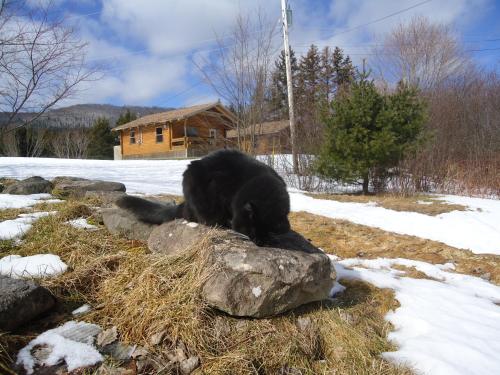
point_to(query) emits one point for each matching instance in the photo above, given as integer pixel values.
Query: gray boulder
(32, 185)
(76, 187)
(173, 237)
(107, 198)
(122, 222)
(21, 301)
(246, 280)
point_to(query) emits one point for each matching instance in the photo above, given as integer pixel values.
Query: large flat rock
(124, 223)
(32, 185)
(20, 301)
(77, 187)
(247, 280)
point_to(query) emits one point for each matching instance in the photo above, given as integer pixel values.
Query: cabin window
(213, 133)
(191, 131)
(132, 136)
(159, 135)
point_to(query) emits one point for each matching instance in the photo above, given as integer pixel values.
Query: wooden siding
(145, 141)
(145, 137)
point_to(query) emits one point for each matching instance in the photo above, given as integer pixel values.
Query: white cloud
(148, 44)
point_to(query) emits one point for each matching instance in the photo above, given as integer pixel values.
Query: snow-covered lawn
(450, 325)
(477, 229)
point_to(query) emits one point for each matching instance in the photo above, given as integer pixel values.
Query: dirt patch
(349, 240)
(423, 204)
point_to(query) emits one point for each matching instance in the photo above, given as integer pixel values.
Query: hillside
(84, 114)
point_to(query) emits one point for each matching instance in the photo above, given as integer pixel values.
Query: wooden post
(289, 86)
(185, 135)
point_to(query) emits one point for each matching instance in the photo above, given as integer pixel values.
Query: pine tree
(126, 117)
(344, 71)
(279, 90)
(367, 133)
(101, 140)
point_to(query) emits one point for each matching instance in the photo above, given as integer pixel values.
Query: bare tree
(421, 53)
(41, 61)
(239, 72)
(70, 143)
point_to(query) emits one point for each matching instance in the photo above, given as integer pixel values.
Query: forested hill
(84, 115)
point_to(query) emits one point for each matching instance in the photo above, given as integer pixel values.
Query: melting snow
(81, 310)
(81, 223)
(71, 343)
(23, 201)
(450, 325)
(11, 229)
(35, 266)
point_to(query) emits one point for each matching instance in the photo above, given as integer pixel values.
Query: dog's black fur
(226, 188)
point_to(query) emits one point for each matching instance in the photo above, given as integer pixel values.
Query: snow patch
(450, 325)
(257, 291)
(64, 346)
(15, 228)
(81, 310)
(192, 224)
(81, 223)
(35, 266)
(23, 201)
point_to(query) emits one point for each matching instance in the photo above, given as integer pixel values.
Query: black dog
(226, 188)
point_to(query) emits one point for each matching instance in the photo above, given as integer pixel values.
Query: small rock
(360, 254)
(486, 276)
(32, 185)
(139, 352)
(119, 351)
(157, 338)
(20, 301)
(189, 365)
(107, 336)
(110, 370)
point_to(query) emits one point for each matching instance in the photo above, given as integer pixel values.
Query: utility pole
(293, 135)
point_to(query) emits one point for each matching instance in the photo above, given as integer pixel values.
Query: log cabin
(271, 137)
(179, 133)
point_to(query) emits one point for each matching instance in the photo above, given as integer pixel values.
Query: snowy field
(477, 229)
(447, 324)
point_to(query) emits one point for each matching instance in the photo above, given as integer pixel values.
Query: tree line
(77, 142)
(419, 115)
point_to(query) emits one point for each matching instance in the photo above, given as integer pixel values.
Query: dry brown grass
(143, 294)
(398, 202)
(10, 213)
(349, 240)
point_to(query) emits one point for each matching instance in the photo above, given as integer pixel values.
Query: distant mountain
(84, 115)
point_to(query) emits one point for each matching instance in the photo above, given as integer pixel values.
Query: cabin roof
(270, 127)
(176, 115)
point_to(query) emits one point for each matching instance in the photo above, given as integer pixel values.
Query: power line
(376, 20)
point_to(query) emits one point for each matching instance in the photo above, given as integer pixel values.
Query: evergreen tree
(279, 90)
(344, 71)
(367, 133)
(126, 117)
(101, 140)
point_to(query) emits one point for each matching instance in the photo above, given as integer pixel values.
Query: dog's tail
(148, 211)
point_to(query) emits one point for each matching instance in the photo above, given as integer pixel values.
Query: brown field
(398, 202)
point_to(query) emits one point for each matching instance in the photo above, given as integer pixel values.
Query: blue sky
(147, 47)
